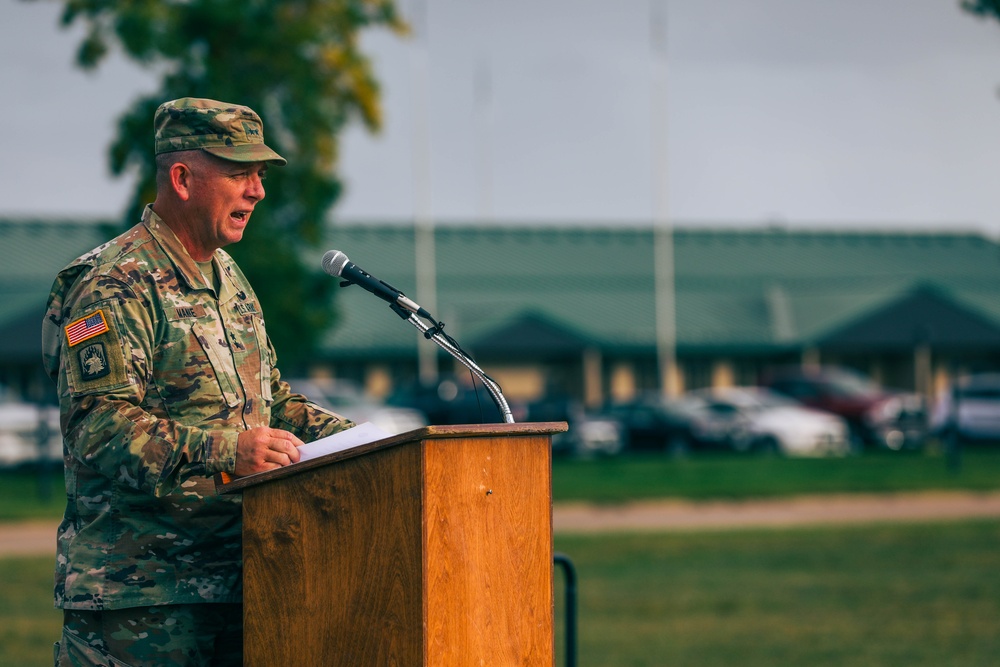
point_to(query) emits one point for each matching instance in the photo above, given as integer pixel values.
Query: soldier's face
(223, 195)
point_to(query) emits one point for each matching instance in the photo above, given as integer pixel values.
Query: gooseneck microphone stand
(448, 344)
(336, 263)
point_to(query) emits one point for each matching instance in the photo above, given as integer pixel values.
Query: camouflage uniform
(157, 375)
(230, 131)
(189, 635)
(153, 398)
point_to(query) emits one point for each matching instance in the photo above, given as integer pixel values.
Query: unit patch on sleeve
(95, 354)
(86, 328)
(93, 361)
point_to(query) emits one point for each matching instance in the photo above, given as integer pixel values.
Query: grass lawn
(28, 623)
(34, 495)
(730, 476)
(907, 595)
(912, 595)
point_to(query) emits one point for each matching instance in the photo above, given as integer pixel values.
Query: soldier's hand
(264, 448)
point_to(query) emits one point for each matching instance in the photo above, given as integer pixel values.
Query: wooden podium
(430, 548)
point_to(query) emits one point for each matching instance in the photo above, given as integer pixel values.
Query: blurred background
(748, 248)
(608, 205)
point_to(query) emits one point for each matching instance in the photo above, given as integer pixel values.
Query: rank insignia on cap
(86, 328)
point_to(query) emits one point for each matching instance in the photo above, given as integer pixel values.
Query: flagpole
(663, 235)
(423, 228)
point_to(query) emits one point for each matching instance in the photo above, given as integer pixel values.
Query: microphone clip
(434, 330)
(396, 308)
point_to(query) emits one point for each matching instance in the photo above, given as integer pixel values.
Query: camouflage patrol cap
(230, 131)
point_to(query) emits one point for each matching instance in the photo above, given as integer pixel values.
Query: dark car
(674, 426)
(451, 401)
(590, 433)
(877, 417)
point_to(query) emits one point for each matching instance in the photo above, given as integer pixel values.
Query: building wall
(601, 378)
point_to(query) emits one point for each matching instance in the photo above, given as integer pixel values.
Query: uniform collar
(188, 270)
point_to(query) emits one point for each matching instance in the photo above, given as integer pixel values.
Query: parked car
(590, 434)
(674, 426)
(29, 433)
(348, 400)
(764, 421)
(716, 423)
(970, 409)
(652, 424)
(877, 417)
(452, 401)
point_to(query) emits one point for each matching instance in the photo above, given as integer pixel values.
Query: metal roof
(741, 289)
(31, 253)
(756, 288)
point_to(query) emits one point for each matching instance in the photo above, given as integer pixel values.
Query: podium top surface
(225, 483)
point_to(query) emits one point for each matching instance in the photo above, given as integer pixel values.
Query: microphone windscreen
(334, 262)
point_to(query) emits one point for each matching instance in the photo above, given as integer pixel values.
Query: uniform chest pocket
(265, 359)
(220, 359)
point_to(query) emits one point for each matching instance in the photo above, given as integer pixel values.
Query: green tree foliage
(982, 7)
(298, 64)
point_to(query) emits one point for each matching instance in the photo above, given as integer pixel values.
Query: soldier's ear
(180, 180)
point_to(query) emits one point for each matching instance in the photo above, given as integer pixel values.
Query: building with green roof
(31, 253)
(574, 308)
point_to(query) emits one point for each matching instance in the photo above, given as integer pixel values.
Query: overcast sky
(882, 114)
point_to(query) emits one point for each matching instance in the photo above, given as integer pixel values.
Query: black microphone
(336, 264)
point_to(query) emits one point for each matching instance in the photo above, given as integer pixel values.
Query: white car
(971, 407)
(767, 421)
(589, 436)
(22, 427)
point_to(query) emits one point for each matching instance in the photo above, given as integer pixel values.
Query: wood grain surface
(433, 550)
(488, 546)
(332, 570)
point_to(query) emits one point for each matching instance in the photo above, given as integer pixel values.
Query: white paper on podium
(361, 434)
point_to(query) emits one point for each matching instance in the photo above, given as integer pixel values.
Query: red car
(877, 417)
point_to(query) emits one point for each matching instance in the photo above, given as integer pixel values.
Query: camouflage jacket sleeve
(290, 411)
(158, 370)
(295, 413)
(115, 420)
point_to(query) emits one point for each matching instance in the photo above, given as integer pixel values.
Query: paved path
(678, 515)
(28, 538)
(38, 537)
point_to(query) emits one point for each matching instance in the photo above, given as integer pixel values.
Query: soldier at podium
(166, 377)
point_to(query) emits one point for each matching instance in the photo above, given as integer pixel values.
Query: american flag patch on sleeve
(85, 328)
